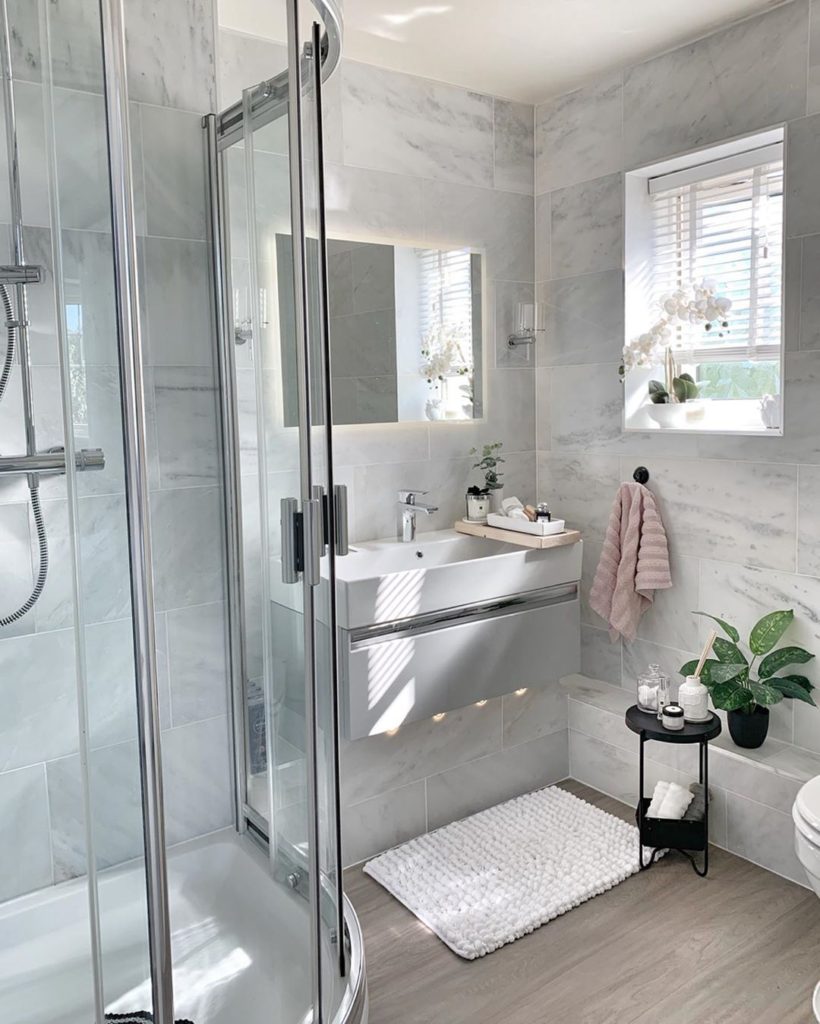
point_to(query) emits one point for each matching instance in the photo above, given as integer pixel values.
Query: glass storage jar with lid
(653, 691)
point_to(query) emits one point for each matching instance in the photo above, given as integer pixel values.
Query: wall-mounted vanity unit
(448, 621)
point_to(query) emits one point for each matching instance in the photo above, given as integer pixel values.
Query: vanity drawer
(423, 668)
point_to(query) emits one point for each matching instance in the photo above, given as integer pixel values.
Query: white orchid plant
(695, 304)
(443, 355)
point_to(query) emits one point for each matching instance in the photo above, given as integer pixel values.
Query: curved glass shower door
(275, 370)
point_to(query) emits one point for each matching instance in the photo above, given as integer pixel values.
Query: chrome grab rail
(52, 461)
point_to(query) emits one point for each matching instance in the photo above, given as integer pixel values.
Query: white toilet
(806, 815)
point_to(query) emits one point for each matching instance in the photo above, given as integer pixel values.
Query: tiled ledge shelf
(752, 790)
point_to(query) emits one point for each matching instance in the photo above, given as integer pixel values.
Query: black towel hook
(641, 475)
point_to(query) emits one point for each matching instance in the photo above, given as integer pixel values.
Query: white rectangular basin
(387, 581)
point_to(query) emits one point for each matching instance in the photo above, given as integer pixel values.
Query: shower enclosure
(169, 783)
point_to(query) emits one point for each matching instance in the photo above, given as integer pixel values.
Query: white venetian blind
(445, 293)
(724, 220)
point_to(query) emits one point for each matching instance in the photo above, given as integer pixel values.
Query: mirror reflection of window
(406, 339)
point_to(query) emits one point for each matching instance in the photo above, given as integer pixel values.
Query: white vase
(667, 414)
(496, 497)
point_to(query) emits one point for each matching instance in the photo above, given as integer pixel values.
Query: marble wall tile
(580, 489)
(116, 810)
(715, 519)
(364, 342)
(16, 568)
(186, 408)
(814, 59)
(188, 546)
(180, 328)
(600, 657)
(802, 190)
(82, 160)
(742, 594)
(110, 689)
(640, 654)
(373, 204)
(479, 784)
(74, 38)
(543, 408)
(500, 223)
(764, 836)
(543, 237)
(792, 294)
(382, 822)
(167, 68)
(196, 771)
(25, 854)
(578, 136)
(401, 442)
(807, 279)
(379, 763)
(198, 663)
(670, 621)
(739, 776)
(613, 769)
(401, 123)
(97, 416)
(513, 139)
(508, 295)
(174, 173)
(585, 319)
(540, 711)
(586, 226)
(103, 557)
(808, 520)
(587, 407)
(713, 89)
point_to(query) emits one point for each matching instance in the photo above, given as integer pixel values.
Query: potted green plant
(489, 464)
(746, 688)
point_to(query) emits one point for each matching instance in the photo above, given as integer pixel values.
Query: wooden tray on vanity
(523, 540)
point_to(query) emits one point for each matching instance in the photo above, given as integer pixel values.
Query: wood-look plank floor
(664, 947)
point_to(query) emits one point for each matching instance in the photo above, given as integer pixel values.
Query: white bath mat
(500, 874)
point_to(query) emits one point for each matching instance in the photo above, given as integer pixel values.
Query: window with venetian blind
(719, 220)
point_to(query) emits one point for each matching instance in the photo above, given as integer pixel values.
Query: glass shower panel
(71, 653)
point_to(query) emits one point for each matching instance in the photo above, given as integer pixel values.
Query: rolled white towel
(508, 504)
(669, 801)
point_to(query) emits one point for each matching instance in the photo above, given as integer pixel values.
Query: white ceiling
(522, 49)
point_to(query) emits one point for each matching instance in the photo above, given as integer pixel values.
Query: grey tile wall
(741, 513)
(40, 792)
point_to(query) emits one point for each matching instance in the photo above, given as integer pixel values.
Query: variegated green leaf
(789, 688)
(722, 673)
(728, 652)
(769, 630)
(730, 696)
(765, 694)
(706, 673)
(800, 680)
(782, 657)
(730, 631)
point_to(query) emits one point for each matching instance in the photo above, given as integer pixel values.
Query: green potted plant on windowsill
(746, 688)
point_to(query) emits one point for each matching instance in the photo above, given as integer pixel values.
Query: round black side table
(681, 835)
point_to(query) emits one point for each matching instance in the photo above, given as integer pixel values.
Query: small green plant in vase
(746, 687)
(489, 463)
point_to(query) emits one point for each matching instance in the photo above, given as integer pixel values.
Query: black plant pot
(749, 730)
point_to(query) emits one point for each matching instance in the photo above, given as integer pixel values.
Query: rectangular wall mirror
(703, 349)
(406, 332)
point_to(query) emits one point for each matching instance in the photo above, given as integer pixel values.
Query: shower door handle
(340, 520)
(312, 540)
(292, 545)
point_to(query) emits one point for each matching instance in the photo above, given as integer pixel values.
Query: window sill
(704, 416)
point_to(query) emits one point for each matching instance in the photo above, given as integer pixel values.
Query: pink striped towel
(634, 562)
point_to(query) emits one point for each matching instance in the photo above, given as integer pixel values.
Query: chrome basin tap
(408, 507)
